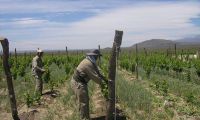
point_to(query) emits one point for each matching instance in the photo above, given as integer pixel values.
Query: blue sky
(81, 24)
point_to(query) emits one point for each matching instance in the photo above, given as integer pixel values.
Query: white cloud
(48, 6)
(168, 20)
(29, 21)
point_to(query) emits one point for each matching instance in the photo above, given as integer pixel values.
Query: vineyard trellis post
(99, 63)
(169, 52)
(182, 54)
(16, 56)
(111, 75)
(188, 54)
(11, 92)
(175, 50)
(25, 55)
(145, 51)
(136, 66)
(66, 51)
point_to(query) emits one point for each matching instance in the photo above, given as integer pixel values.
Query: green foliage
(162, 86)
(29, 100)
(197, 66)
(21, 70)
(148, 64)
(133, 95)
(177, 65)
(46, 76)
(104, 89)
(190, 98)
(68, 68)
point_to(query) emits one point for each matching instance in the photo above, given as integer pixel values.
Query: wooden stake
(111, 75)
(15, 56)
(175, 51)
(136, 67)
(5, 45)
(182, 54)
(66, 51)
(99, 63)
(145, 51)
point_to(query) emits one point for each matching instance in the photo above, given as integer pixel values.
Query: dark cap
(94, 52)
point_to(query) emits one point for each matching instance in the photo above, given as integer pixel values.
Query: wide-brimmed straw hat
(39, 51)
(94, 52)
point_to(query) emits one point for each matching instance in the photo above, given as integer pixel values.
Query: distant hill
(155, 44)
(164, 44)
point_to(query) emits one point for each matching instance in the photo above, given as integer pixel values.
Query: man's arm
(36, 67)
(92, 74)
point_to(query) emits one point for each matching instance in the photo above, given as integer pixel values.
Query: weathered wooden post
(170, 52)
(77, 53)
(182, 54)
(66, 51)
(145, 51)
(188, 55)
(111, 75)
(175, 50)
(5, 45)
(16, 57)
(99, 63)
(136, 66)
(25, 55)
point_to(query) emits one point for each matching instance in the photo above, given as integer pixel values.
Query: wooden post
(66, 51)
(136, 66)
(175, 51)
(5, 45)
(111, 75)
(145, 51)
(77, 53)
(182, 54)
(188, 55)
(99, 63)
(16, 57)
(52, 54)
(25, 55)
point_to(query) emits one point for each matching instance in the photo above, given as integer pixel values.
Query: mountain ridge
(164, 44)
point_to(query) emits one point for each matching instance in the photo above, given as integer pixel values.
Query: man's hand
(43, 70)
(110, 81)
